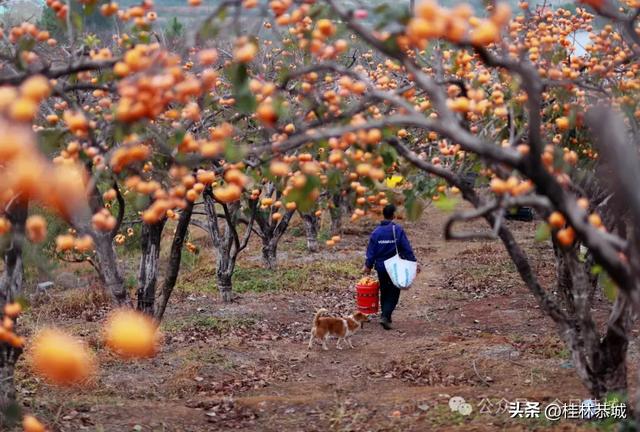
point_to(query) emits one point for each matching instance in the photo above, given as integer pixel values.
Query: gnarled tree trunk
(13, 274)
(223, 279)
(269, 253)
(226, 241)
(8, 357)
(337, 212)
(599, 362)
(175, 258)
(110, 272)
(563, 280)
(149, 265)
(606, 368)
(11, 282)
(271, 231)
(311, 222)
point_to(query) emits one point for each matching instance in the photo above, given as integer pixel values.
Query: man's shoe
(384, 322)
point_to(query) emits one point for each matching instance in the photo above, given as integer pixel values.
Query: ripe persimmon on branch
(55, 72)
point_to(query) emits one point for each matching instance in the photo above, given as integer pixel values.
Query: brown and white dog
(342, 328)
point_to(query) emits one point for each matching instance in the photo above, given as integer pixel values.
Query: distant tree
(20, 11)
(51, 23)
(174, 29)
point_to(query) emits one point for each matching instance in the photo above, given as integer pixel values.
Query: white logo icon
(458, 404)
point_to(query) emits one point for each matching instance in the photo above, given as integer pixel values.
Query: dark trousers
(389, 294)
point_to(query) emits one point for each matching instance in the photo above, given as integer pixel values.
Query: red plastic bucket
(367, 298)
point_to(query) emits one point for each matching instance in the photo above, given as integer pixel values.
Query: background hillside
(16, 11)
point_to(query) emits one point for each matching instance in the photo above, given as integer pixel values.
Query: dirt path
(368, 381)
(443, 344)
(466, 328)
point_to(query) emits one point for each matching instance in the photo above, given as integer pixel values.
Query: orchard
(209, 186)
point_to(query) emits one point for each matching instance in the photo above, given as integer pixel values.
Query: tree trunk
(149, 264)
(310, 222)
(564, 282)
(10, 288)
(271, 232)
(13, 274)
(602, 370)
(610, 362)
(175, 257)
(337, 213)
(269, 253)
(8, 406)
(223, 280)
(611, 374)
(109, 268)
(600, 365)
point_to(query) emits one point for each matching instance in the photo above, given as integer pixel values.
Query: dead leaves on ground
(492, 274)
(225, 412)
(416, 371)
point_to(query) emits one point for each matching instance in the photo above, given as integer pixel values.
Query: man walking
(382, 246)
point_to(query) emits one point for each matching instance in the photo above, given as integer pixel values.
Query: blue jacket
(382, 247)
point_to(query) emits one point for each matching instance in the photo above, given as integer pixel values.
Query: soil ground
(468, 328)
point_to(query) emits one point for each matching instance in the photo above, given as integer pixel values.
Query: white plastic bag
(402, 272)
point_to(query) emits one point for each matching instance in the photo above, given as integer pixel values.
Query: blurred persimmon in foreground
(32, 424)
(131, 334)
(12, 310)
(60, 358)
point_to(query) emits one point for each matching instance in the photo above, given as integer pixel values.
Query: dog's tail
(318, 314)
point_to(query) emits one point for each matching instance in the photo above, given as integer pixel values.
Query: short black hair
(388, 211)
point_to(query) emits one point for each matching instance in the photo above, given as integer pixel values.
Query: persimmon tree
(90, 129)
(499, 97)
(226, 240)
(271, 224)
(23, 166)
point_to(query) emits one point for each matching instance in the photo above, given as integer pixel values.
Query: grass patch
(296, 231)
(303, 277)
(131, 281)
(490, 269)
(189, 260)
(300, 240)
(300, 245)
(206, 322)
(346, 418)
(487, 274)
(441, 415)
(324, 235)
(73, 303)
(312, 276)
(205, 355)
(199, 279)
(256, 279)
